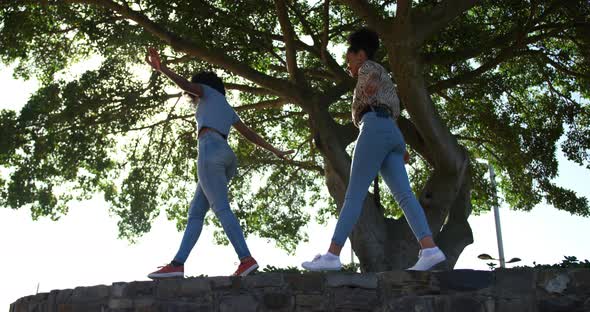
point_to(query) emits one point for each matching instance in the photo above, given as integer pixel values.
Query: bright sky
(82, 248)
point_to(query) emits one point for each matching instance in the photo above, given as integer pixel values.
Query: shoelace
(317, 257)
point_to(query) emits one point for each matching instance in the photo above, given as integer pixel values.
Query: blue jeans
(216, 165)
(380, 147)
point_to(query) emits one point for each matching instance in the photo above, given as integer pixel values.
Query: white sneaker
(428, 259)
(325, 262)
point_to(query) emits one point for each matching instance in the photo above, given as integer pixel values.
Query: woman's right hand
(153, 59)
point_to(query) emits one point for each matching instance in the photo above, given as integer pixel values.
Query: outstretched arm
(255, 138)
(153, 59)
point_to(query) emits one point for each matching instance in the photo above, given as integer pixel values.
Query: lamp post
(496, 210)
(497, 216)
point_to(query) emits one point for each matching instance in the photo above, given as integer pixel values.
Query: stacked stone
(519, 290)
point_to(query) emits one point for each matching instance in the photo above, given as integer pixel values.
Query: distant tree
(506, 81)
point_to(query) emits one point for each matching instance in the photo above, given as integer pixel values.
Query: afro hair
(211, 79)
(364, 39)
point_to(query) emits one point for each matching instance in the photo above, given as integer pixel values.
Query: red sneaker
(246, 268)
(167, 271)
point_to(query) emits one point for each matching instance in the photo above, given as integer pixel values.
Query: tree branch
(363, 9)
(289, 36)
(518, 40)
(262, 105)
(515, 37)
(326, 25)
(561, 67)
(247, 28)
(308, 165)
(517, 32)
(312, 72)
(334, 93)
(403, 9)
(433, 21)
(249, 89)
(447, 58)
(299, 45)
(307, 28)
(343, 28)
(209, 55)
(504, 55)
(321, 44)
(178, 60)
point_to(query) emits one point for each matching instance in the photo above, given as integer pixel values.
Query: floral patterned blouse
(385, 94)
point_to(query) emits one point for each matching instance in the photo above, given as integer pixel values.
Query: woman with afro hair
(380, 147)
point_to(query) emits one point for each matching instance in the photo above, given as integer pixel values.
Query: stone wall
(518, 290)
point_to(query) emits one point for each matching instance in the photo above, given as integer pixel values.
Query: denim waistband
(214, 134)
(380, 110)
(372, 122)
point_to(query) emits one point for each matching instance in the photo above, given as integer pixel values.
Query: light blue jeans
(380, 147)
(216, 165)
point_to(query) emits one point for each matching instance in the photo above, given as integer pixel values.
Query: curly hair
(211, 79)
(364, 39)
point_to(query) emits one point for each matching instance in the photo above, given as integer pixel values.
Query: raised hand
(153, 59)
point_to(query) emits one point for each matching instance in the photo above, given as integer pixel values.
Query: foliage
(511, 80)
(568, 262)
(273, 269)
(351, 267)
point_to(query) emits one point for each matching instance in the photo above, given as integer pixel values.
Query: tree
(507, 81)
